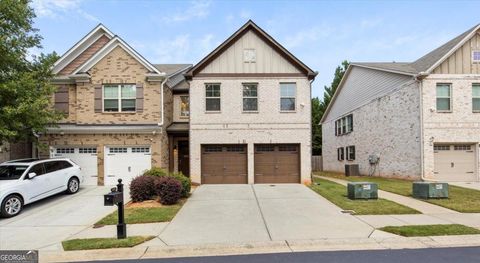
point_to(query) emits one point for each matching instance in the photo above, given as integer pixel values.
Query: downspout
(161, 96)
(419, 78)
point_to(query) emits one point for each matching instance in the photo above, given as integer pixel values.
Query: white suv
(29, 180)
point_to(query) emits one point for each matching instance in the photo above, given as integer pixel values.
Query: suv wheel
(11, 206)
(73, 185)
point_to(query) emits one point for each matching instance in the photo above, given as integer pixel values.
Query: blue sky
(320, 33)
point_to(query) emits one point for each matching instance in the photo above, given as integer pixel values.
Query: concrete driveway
(44, 224)
(257, 213)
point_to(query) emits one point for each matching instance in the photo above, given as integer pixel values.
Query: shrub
(168, 189)
(156, 171)
(142, 188)
(185, 181)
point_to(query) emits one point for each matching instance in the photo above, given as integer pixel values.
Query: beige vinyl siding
(267, 59)
(361, 86)
(460, 62)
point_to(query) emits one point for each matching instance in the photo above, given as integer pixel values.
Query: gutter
(163, 104)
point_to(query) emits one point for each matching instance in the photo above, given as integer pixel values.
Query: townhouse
(418, 119)
(241, 115)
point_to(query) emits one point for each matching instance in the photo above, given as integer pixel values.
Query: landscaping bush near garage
(337, 194)
(103, 243)
(168, 189)
(185, 181)
(460, 199)
(431, 230)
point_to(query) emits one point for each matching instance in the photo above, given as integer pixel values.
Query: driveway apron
(258, 213)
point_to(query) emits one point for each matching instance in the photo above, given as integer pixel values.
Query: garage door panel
(454, 162)
(126, 163)
(224, 164)
(277, 163)
(85, 157)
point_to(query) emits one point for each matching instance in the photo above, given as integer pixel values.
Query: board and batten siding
(361, 86)
(267, 59)
(460, 62)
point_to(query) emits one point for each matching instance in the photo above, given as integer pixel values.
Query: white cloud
(196, 9)
(308, 35)
(55, 9)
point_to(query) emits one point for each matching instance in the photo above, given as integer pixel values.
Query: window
(38, 169)
(287, 96)
(65, 150)
(351, 153)
(265, 148)
(212, 97)
(250, 100)
(212, 149)
(12, 172)
(235, 148)
(118, 150)
(344, 125)
(287, 148)
(140, 149)
(476, 97)
(444, 97)
(462, 147)
(119, 98)
(476, 56)
(87, 150)
(341, 154)
(184, 106)
(51, 167)
(441, 147)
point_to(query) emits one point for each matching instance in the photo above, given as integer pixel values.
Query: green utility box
(426, 190)
(362, 190)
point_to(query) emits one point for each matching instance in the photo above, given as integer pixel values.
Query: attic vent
(249, 55)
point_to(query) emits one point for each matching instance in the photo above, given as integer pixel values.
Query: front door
(183, 158)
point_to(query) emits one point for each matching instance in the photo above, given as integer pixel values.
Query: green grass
(143, 215)
(460, 199)
(102, 243)
(430, 230)
(337, 194)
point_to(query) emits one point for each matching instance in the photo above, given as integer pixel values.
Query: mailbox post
(115, 197)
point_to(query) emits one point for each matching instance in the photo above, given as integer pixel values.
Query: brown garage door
(277, 163)
(224, 164)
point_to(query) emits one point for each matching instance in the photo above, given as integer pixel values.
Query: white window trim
(284, 97)
(244, 97)
(473, 52)
(180, 105)
(474, 97)
(437, 97)
(219, 97)
(348, 152)
(119, 87)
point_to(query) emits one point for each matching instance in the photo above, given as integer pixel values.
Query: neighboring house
(117, 109)
(250, 112)
(419, 119)
(247, 119)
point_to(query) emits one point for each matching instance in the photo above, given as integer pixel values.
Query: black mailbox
(112, 198)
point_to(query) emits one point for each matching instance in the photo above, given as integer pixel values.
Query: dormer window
(476, 56)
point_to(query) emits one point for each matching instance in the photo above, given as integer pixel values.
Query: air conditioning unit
(362, 190)
(426, 190)
(352, 170)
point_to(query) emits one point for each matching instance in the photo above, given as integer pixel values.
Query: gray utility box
(362, 190)
(426, 190)
(352, 170)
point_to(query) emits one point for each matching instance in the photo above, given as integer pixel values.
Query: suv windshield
(12, 172)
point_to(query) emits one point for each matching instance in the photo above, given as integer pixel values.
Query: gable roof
(250, 25)
(112, 44)
(175, 74)
(427, 63)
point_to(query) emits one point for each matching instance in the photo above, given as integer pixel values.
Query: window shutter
(98, 98)
(336, 126)
(61, 99)
(139, 100)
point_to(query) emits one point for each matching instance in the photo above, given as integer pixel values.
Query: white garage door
(85, 157)
(455, 162)
(126, 163)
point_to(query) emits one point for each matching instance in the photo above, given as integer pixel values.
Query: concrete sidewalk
(421, 206)
(372, 243)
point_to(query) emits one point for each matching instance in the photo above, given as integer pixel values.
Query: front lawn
(337, 194)
(102, 243)
(460, 199)
(430, 230)
(139, 215)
